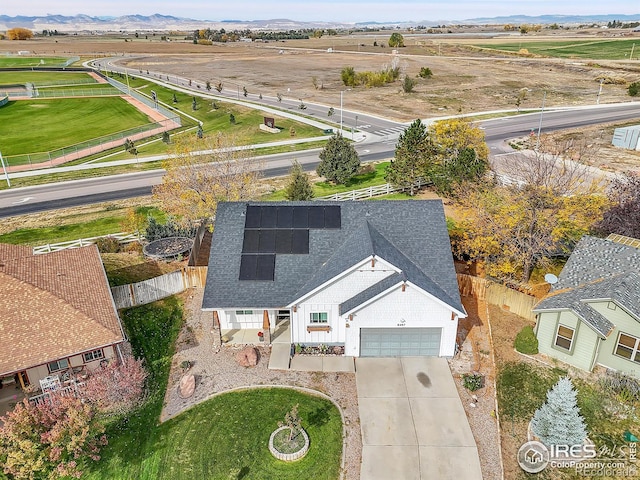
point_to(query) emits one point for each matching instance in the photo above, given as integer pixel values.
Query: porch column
(216, 328)
(266, 327)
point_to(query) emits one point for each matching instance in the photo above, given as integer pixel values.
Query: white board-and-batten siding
(230, 320)
(409, 309)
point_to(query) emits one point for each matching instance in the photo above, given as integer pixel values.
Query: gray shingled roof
(411, 235)
(371, 292)
(598, 269)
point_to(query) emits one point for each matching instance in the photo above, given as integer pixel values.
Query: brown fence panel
(495, 294)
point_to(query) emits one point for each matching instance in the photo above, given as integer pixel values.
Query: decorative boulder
(247, 357)
(187, 386)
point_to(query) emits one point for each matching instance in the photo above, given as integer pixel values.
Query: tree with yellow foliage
(457, 134)
(19, 34)
(548, 202)
(203, 172)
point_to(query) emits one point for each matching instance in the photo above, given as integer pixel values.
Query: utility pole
(544, 97)
(4, 168)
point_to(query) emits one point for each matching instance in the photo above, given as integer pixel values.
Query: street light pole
(341, 92)
(544, 97)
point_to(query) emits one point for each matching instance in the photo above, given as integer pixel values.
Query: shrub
(634, 89)
(108, 245)
(408, 84)
(425, 72)
(526, 341)
(473, 381)
(171, 228)
(625, 388)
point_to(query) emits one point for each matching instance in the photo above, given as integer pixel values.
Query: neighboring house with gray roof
(376, 277)
(592, 315)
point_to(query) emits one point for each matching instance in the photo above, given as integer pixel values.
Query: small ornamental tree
(116, 388)
(339, 161)
(51, 440)
(558, 421)
(396, 40)
(299, 187)
(293, 422)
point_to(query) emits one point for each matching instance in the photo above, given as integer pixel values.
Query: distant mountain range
(157, 22)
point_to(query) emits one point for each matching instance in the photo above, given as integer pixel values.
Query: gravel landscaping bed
(216, 370)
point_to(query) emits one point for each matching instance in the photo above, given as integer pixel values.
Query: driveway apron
(413, 424)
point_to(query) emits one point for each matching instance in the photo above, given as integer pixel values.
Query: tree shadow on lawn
(320, 416)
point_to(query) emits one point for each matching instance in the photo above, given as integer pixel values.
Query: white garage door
(400, 342)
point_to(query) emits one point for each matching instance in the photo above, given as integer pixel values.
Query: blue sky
(329, 10)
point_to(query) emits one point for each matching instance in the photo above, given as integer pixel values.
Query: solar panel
(283, 241)
(266, 267)
(300, 217)
(268, 219)
(316, 217)
(248, 267)
(253, 217)
(300, 241)
(332, 217)
(285, 217)
(267, 242)
(251, 241)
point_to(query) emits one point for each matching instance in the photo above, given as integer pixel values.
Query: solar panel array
(271, 230)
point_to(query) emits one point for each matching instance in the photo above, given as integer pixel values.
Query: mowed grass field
(594, 49)
(12, 62)
(30, 126)
(44, 78)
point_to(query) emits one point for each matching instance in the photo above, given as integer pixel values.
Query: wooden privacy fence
(495, 294)
(156, 288)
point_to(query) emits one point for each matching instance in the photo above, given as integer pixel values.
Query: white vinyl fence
(368, 192)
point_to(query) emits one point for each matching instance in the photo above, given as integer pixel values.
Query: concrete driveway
(412, 420)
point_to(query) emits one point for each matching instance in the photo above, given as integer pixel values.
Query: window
(628, 347)
(58, 365)
(319, 317)
(564, 337)
(244, 312)
(91, 356)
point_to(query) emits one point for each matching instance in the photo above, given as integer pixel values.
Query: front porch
(249, 336)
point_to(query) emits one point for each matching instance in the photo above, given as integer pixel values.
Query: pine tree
(299, 187)
(413, 153)
(558, 421)
(339, 160)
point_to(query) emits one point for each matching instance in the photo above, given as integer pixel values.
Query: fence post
(132, 295)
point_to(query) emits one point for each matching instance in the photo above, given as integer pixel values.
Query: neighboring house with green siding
(592, 315)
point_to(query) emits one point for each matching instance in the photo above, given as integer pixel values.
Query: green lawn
(74, 227)
(245, 130)
(223, 438)
(42, 78)
(372, 176)
(31, 126)
(12, 62)
(594, 49)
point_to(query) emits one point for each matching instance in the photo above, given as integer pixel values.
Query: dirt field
(464, 80)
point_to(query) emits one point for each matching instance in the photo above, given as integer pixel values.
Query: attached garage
(400, 342)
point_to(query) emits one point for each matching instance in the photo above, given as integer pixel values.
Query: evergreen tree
(558, 421)
(299, 187)
(413, 154)
(339, 160)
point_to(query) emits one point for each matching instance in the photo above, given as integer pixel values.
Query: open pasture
(31, 126)
(597, 49)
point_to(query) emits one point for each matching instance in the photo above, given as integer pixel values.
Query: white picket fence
(368, 192)
(83, 242)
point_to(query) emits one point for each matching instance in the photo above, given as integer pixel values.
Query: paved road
(413, 424)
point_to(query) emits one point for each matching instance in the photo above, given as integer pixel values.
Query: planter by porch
(288, 451)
